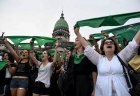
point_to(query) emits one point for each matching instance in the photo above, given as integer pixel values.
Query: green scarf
(111, 20)
(78, 58)
(3, 64)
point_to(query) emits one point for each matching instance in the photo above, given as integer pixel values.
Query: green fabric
(97, 35)
(3, 64)
(52, 53)
(91, 41)
(41, 40)
(39, 54)
(17, 39)
(72, 47)
(26, 46)
(120, 40)
(127, 32)
(78, 59)
(131, 27)
(53, 45)
(112, 20)
(65, 55)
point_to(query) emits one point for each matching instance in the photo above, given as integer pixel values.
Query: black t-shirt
(22, 69)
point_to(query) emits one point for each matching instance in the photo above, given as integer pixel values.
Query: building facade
(61, 33)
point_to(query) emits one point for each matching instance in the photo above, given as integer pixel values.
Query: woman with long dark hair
(19, 82)
(9, 70)
(82, 68)
(45, 69)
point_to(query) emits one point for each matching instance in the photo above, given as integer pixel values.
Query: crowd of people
(97, 71)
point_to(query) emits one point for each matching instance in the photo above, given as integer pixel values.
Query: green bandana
(41, 40)
(39, 54)
(97, 35)
(17, 39)
(112, 20)
(65, 55)
(78, 58)
(52, 53)
(27, 46)
(72, 47)
(3, 63)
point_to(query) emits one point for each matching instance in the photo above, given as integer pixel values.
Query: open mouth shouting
(109, 46)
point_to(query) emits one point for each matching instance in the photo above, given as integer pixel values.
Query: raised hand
(105, 34)
(91, 38)
(56, 44)
(76, 30)
(115, 35)
(5, 39)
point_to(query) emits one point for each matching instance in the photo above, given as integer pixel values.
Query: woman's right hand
(4, 39)
(105, 34)
(76, 30)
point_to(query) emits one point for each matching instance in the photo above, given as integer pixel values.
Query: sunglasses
(109, 42)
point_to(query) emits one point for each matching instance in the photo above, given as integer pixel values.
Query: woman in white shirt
(42, 82)
(110, 79)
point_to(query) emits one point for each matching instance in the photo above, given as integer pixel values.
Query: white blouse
(110, 79)
(44, 73)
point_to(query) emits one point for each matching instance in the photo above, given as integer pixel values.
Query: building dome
(61, 23)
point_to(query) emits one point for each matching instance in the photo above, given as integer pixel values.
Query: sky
(38, 17)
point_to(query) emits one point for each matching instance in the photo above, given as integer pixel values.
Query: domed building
(61, 33)
(61, 30)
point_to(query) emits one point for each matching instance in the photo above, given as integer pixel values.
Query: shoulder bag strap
(131, 71)
(124, 71)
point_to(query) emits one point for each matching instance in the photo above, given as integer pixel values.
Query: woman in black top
(19, 82)
(82, 69)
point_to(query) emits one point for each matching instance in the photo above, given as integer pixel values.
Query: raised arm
(80, 38)
(116, 40)
(17, 51)
(91, 54)
(59, 60)
(137, 38)
(105, 34)
(96, 44)
(16, 57)
(34, 60)
(55, 55)
(131, 49)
